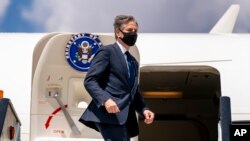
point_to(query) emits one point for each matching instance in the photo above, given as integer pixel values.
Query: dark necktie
(131, 69)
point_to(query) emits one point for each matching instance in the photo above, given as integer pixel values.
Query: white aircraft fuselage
(226, 53)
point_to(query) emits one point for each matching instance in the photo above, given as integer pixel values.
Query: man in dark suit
(112, 82)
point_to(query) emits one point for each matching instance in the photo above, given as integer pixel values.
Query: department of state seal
(81, 49)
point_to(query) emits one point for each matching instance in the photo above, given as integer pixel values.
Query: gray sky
(164, 16)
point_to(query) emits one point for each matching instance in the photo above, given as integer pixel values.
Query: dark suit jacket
(108, 78)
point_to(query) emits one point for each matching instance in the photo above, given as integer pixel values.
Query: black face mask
(129, 38)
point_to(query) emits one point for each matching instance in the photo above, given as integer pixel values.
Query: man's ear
(118, 33)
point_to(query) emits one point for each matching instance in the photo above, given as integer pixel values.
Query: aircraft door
(58, 95)
(185, 100)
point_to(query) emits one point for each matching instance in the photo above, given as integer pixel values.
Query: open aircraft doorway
(185, 100)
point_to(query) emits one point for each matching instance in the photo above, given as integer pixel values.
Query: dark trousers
(113, 132)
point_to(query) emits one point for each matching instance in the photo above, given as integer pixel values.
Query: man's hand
(149, 116)
(111, 106)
